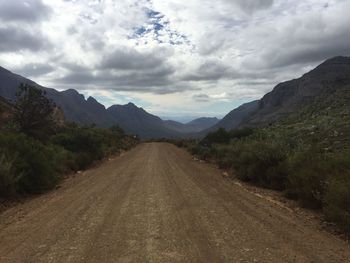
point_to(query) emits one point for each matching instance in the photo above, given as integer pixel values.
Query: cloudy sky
(176, 58)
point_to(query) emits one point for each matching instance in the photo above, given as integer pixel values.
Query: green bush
(337, 193)
(261, 162)
(337, 200)
(80, 139)
(39, 165)
(88, 144)
(242, 133)
(8, 178)
(309, 172)
(218, 137)
(83, 160)
(202, 152)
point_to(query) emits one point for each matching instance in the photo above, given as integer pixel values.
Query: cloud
(34, 69)
(130, 59)
(223, 97)
(14, 39)
(201, 97)
(303, 39)
(24, 11)
(250, 6)
(210, 70)
(153, 80)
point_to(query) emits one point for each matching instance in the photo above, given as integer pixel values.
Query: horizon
(152, 54)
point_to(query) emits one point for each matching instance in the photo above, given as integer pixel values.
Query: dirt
(156, 204)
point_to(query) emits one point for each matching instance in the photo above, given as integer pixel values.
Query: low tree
(34, 112)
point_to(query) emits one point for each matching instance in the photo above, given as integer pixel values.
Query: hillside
(290, 96)
(196, 125)
(138, 121)
(6, 111)
(233, 119)
(201, 124)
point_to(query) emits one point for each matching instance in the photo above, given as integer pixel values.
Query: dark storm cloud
(108, 79)
(80, 78)
(210, 71)
(307, 46)
(155, 80)
(310, 53)
(14, 39)
(34, 69)
(25, 11)
(130, 59)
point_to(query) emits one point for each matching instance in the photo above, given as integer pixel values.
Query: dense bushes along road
(36, 150)
(306, 155)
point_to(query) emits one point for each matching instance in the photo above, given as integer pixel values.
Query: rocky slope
(236, 116)
(290, 96)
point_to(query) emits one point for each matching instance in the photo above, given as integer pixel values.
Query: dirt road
(155, 204)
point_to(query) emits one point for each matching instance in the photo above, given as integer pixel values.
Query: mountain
(76, 108)
(290, 96)
(73, 104)
(194, 126)
(201, 124)
(233, 119)
(136, 120)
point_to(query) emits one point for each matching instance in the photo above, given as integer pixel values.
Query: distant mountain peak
(130, 104)
(91, 99)
(71, 92)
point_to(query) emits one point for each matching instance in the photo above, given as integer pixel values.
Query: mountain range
(132, 119)
(286, 98)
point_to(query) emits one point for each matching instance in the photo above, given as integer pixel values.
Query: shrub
(83, 160)
(261, 162)
(241, 133)
(88, 144)
(337, 200)
(220, 136)
(39, 165)
(337, 193)
(202, 152)
(8, 178)
(80, 139)
(308, 175)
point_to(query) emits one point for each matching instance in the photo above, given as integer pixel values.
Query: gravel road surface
(156, 204)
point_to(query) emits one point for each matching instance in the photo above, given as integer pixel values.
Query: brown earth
(155, 204)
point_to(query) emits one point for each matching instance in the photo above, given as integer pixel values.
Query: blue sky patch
(158, 26)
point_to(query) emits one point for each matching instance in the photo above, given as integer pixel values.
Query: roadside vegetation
(307, 156)
(37, 148)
